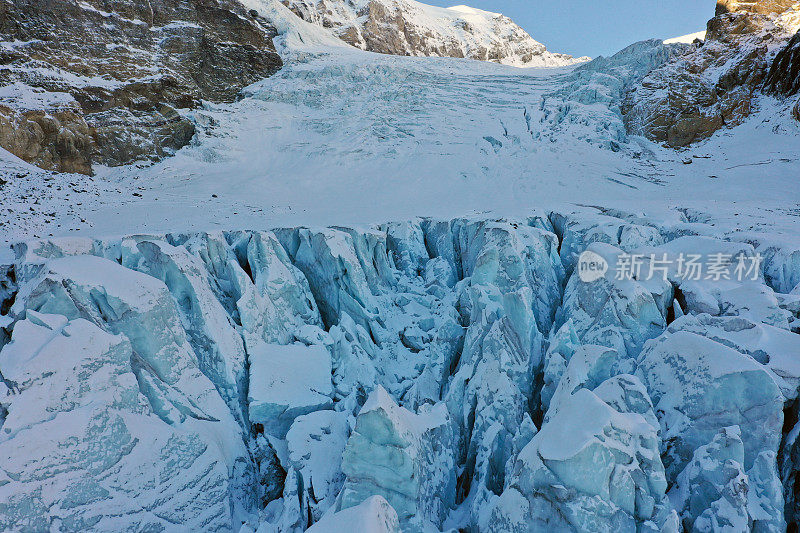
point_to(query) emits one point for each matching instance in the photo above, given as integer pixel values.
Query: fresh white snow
(689, 38)
(373, 515)
(287, 381)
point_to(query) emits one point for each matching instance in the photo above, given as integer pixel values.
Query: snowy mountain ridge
(407, 27)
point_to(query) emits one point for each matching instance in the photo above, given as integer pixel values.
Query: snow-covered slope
(410, 28)
(407, 132)
(88, 82)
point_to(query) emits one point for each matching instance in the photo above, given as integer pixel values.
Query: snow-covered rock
(689, 38)
(783, 76)
(589, 105)
(93, 82)
(410, 28)
(712, 85)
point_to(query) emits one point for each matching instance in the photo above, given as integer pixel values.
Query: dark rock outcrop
(784, 75)
(100, 82)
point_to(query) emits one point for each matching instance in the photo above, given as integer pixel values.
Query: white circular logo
(591, 266)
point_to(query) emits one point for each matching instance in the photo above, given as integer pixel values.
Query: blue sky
(598, 27)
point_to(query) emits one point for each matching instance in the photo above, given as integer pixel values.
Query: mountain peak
(410, 28)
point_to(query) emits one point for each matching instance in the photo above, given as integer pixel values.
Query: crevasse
(416, 375)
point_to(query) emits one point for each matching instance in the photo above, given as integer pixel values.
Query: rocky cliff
(99, 82)
(409, 28)
(713, 84)
(764, 7)
(784, 75)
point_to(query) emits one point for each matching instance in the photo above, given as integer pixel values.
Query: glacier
(268, 336)
(423, 375)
